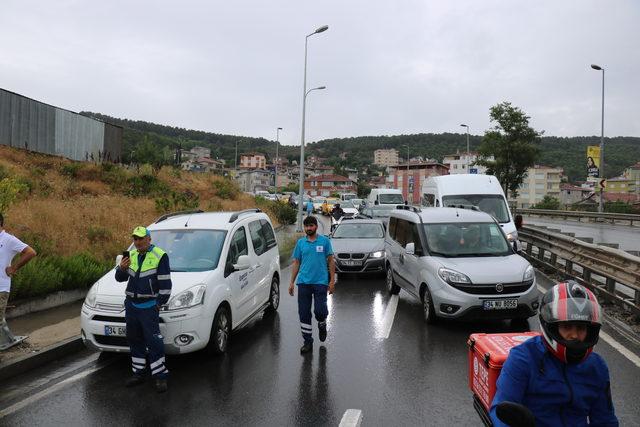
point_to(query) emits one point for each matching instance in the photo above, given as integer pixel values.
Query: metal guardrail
(612, 274)
(605, 216)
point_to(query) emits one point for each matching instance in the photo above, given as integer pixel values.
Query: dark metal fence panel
(113, 142)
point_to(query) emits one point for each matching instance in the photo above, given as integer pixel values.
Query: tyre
(392, 288)
(274, 295)
(220, 331)
(428, 310)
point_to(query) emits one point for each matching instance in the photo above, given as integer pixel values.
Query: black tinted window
(392, 227)
(257, 237)
(269, 236)
(238, 246)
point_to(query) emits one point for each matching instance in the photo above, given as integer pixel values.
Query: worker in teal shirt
(314, 269)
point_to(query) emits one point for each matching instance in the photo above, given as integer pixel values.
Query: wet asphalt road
(416, 376)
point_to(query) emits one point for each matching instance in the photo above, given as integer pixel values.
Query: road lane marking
(56, 387)
(389, 315)
(631, 356)
(351, 418)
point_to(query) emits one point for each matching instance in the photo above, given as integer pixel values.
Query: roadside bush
(98, 234)
(10, 189)
(70, 169)
(4, 173)
(114, 176)
(226, 189)
(145, 185)
(45, 275)
(177, 201)
(284, 213)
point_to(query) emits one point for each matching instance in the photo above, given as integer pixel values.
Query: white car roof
(442, 215)
(205, 220)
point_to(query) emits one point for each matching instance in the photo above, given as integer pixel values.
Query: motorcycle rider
(556, 375)
(337, 212)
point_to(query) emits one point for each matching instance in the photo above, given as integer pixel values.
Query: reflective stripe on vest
(148, 268)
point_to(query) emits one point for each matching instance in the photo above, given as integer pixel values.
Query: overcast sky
(390, 67)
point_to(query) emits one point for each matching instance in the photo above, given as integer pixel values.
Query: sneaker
(134, 380)
(161, 385)
(322, 332)
(306, 348)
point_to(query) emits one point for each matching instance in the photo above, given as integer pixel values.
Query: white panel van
(385, 196)
(483, 191)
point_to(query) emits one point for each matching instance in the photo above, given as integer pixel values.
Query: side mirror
(243, 263)
(118, 260)
(410, 248)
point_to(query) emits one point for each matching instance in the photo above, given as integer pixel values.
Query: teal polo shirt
(312, 256)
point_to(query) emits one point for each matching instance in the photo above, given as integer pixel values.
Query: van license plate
(500, 304)
(119, 331)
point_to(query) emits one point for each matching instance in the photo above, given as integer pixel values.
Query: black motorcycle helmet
(570, 302)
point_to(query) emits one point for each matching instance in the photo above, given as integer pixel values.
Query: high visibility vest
(142, 287)
(149, 264)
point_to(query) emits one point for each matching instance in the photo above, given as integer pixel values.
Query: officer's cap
(140, 231)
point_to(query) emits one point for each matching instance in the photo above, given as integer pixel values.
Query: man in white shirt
(10, 246)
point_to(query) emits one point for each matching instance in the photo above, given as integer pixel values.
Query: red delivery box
(487, 353)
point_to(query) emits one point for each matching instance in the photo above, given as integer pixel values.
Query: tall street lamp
(601, 168)
(467, 126)
(305, 92)
(275, 181)
(408, 159)
(236, 159)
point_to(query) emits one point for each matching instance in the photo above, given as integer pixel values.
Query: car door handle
(402, 258)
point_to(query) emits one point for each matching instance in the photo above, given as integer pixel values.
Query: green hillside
(152, 139)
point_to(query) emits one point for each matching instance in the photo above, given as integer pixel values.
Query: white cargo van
(348, 196)
(385, 196)
(483, 191)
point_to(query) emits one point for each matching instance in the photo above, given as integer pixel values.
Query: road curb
(48, 354)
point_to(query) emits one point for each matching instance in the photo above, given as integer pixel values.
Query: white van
(348, 196)
(385, 196)
(483, 191)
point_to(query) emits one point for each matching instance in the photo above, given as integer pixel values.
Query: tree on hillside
(548, 202)
(511, 143)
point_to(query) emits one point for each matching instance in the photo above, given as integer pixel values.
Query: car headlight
(452, 276)
(528, 275)
(92, 295)
(189, 298)
(513, 236)
(378, 254)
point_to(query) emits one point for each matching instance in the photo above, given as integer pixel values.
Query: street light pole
(601, 167)
(408, 159)
(236, 159)
(275, 181)
(467, 126)
(304, 107)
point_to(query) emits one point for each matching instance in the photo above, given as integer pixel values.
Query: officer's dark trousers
(143, 335)
(307, 293)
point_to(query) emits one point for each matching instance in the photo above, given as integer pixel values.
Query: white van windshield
(390, 199)
(348, 196)
(493, 204)
(190, 250)
(466, 240)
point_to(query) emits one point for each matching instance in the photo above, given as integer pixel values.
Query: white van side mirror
(118, 260)
(243, 263)
(410, 248)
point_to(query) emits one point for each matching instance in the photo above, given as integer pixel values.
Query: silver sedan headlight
(529, 274)
(378, 254)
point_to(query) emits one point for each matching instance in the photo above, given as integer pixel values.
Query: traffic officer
(149, 286)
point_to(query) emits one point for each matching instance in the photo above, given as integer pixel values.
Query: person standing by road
(149, 287)
(10, 246)
(312, 260)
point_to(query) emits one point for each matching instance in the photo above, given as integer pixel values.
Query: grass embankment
(78, 216)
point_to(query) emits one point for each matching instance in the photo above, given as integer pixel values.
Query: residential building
(572, 194)
(325, 185)
(385, 157)
(632, 173)
(254, 180)
(200, 152)
(352, 174)
(409, 179)
(379, 182)
(464, 163)
(253, 161)
(620, 184)
(539, 182)
(317, 170)
(315, 161)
